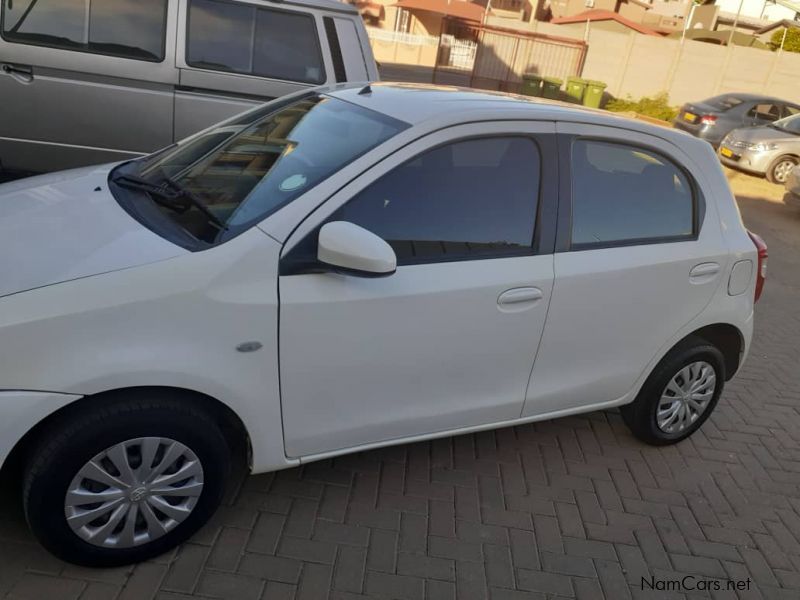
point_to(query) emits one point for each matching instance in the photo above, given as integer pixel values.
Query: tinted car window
(468, 199)
(286, 47)
(221, 36)
(242, 38)
(622, 193)
(125, 28)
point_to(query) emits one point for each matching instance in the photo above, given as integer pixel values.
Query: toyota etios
(348, 268)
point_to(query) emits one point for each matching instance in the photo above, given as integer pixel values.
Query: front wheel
(679, 395)
(778, 171)
(125, 479)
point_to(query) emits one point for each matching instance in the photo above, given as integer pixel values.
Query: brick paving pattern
(571, 508)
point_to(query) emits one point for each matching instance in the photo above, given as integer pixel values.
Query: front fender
(21, 411)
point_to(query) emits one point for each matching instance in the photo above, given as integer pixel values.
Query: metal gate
(502, 56)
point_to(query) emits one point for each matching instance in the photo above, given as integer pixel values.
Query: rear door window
(623, 194)
(125, 28)
(242, 38)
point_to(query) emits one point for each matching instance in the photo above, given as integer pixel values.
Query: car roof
(443, 106)
(330, 5)
(749, 97)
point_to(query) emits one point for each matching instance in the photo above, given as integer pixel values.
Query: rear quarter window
(622, 195)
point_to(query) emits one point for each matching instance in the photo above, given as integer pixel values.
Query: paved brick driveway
(573, 508)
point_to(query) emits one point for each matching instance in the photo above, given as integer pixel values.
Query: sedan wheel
(779, 171)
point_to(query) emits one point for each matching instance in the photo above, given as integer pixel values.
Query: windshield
(724, 102)
(789, 124)
(247, 168)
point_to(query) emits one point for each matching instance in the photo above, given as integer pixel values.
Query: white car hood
(54, 228)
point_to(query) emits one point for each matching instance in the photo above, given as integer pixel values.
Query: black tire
(73, 440)
(640, 415)
(772, 172)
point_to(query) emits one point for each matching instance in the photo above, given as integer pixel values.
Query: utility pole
(735, 22)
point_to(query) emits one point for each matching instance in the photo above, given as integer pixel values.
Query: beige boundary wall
(642, 65)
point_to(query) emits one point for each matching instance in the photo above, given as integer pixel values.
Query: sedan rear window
(245, 169)
(723, 103)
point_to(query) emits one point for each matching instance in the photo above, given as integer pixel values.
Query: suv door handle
(21, 73)
(704, 272)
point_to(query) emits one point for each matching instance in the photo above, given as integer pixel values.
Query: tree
(792, 42)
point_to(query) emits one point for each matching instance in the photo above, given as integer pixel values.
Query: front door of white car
(640, 254)
(449, 339)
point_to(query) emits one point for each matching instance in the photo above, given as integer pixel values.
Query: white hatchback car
(349, 268)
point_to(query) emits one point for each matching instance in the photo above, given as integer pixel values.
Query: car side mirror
(350, 249)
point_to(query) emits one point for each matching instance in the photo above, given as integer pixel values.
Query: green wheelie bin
(576, 88)
(594, 93)
(551, 87)
(531, 85)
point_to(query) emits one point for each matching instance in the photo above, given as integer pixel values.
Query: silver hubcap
(782, 170)
(686, 397)
(134, 492)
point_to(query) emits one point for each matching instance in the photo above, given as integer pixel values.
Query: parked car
(714, 118)
(348, 268)
(773, 150)
(85, 85)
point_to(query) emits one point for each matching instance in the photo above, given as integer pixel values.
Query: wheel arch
(727, 338)
(792, 155)
(233, 428)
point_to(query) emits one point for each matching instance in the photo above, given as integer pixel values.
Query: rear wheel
(126, 479)
(779, 170)
(679, 395)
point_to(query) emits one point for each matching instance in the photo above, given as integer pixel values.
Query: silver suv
(85, 83)
(772, 150)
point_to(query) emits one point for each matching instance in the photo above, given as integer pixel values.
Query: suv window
(765, 112)
(469, 199)
(126, 28)
(243, 38)
(624, 194)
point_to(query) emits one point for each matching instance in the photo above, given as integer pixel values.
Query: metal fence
(502, 56)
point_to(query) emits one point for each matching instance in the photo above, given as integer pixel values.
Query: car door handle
(704, 272)
(516, 298)
(22, 73)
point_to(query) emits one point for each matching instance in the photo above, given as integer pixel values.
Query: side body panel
(428, 349)
(176, 323)
(78, 108)
(615, 308)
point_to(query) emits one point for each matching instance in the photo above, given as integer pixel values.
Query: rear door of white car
(639, 254)
(449, 340)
